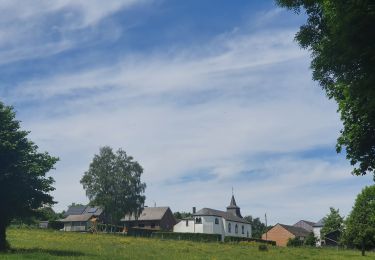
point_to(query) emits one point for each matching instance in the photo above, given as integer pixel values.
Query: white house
(317, 227)
(211, 221)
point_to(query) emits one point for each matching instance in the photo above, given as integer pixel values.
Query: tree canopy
(332, 222)
(257, 227)
(114, 182)
(24, 186)
(339, 35)
(360, 224)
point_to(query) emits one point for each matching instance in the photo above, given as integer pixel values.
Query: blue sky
(206, 95)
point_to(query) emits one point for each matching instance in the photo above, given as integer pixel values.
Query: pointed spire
(232, 202)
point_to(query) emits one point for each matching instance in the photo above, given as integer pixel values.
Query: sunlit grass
(43, 244)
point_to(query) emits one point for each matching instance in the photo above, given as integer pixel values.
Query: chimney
(193, 210)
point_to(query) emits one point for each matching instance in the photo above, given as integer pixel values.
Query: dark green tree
(181, 215)
(360, 224)
(257, 227)
(332, 222)
(114, 182)
(310, 240)
(338, 34)
(24, 186)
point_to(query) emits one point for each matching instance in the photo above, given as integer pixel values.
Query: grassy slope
(39, 244)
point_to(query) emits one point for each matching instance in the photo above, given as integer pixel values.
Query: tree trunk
(363, 248)
(3, 242)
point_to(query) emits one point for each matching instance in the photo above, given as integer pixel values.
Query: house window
(229, 228)
(187, 223)
(152, 225)
(243, 229)
(198, 220)
(236, 229)
(216, 221)
(141, 225)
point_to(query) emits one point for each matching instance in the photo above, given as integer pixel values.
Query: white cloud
(34, 29)
(224, 107)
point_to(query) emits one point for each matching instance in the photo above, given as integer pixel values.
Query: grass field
(41, 244)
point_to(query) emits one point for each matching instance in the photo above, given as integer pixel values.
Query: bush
(294, 242)
(138, 232)
(188, 236)
(247, 239)
(263, 247)
(310, 240)
(57, 225)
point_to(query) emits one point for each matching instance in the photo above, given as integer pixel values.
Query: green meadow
(45, 244)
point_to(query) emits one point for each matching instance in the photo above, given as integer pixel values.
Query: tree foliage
(332, 222)
(24, 186)
(257, 227)
(114, 182)
(181, 215)
(360, 224)
(339, 35)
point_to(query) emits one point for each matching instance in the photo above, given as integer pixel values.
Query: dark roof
(148, 213)
(232, 203)
(219, 213)
(80, 210)
(75, 210)
(307, 222)
(320, 223)
(297, 231)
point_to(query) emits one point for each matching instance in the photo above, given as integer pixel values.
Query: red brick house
(282, 233)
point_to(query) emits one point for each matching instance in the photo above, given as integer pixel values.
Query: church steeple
(233, 208)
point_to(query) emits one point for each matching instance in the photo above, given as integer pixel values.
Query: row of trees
(113, 180)
(358, 229)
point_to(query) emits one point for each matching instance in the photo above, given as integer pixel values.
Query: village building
(308, 225)
(212, 221)
(152, 218)
(282, 233)
(317, 227)
(81, 218)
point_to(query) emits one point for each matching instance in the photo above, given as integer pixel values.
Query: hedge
(138, 232)
(188, 236)
(248, 239)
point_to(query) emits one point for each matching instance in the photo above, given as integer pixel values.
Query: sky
(206, 95)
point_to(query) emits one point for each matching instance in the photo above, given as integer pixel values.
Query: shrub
(263, 247)
(293, 242)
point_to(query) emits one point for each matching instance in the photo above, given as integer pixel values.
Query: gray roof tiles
(219, 213)
(148, 213)
(297, 231)
(320, 223)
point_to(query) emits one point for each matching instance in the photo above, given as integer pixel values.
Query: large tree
(360, 224)
(257, 227)
(332, 222)
(24, 186)
(339, 35)
(114, 182)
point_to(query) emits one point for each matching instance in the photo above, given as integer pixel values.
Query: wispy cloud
(237, 111)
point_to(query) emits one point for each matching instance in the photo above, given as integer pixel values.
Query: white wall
(316, 231)
(181, 227)
(208, 226)
(247, 229)
(76, 226)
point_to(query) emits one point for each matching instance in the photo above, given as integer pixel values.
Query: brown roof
(148, 213)
(75, 218)
(297, 231)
